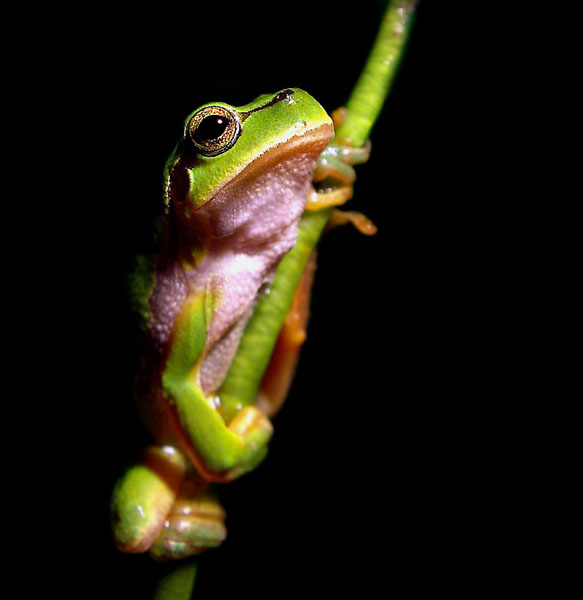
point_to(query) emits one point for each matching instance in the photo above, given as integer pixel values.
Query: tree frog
(235, 188)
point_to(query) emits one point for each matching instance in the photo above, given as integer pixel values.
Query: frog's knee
(144, 495)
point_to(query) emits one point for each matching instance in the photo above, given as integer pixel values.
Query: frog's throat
(252, 223)
(310, 143)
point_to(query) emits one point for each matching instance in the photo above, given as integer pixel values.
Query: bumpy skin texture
(225, 247)
(229, 219)
(247, 232)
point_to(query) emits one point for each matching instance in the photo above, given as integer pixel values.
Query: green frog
(235, 189)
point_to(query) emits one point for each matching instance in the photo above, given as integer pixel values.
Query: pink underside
(252, 225)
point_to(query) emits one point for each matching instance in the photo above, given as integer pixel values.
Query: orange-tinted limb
(280, 371)
(360, 221)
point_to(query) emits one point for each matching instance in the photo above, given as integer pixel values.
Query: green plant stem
(363, 107)
(178, 584)
(371, 89)
(256, 346)
(258, 341)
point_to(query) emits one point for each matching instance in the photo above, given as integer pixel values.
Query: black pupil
(210, 128)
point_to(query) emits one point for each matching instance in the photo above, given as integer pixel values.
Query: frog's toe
(331, 195)
(195, 523)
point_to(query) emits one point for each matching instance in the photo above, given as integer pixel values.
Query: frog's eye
(213, 130)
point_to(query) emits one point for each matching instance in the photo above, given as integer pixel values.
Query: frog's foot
(333, 175)
(222, 452)
(154, 507)
(195, 523)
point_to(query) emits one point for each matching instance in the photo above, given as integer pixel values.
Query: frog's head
(228, 147)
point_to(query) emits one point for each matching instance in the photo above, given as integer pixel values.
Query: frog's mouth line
(303, 142)
(310, 143)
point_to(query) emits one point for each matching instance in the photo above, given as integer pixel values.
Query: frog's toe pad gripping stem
(334, 174)
(195, 523)
(327, 197)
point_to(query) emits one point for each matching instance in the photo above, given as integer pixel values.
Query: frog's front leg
(220, 451)
(334, 174)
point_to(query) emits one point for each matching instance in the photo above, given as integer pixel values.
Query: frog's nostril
(284, 95)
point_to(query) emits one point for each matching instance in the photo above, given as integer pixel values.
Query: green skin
(224, 444)
(221, 444)
(227, 454)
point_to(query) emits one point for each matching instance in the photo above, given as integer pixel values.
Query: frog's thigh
(196, 522)
(280, 371)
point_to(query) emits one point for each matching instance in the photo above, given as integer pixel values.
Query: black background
(369, 483)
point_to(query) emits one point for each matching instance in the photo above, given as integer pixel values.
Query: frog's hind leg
(281, 368)
(221, 449)
(164, 506)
